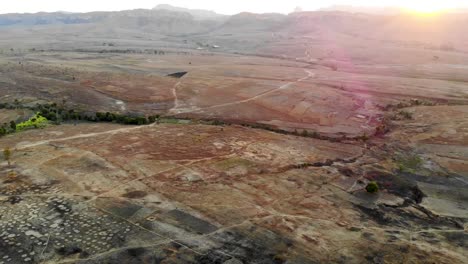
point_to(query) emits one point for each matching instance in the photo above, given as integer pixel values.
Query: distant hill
(251, 22)
(138, 20)
(244, 32)
(365, 10)
(385, 10)
(196, 13)
(44, 19)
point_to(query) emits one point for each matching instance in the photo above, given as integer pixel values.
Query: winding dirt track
(88, 135)
(282, 87)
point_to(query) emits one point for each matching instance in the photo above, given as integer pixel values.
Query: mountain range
(245, 32)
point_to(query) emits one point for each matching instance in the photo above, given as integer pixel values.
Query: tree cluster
(59, 113)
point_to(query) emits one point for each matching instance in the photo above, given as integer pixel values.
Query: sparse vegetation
(291, 120)
(409, 103)
(153, 119)
(58, 113)
(364, 137)
(7, 155)
(12, 176)
(3, 131)
(406, 115)
(409, 163)
(383, 128)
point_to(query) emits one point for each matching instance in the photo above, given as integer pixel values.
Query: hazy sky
(221, 6)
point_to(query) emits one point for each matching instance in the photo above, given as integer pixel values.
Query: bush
(382, 129)
(37, 121)
(372, 187)
(153, 119)
(406, 115)
(7, 154)
(13, 125)
(364, 137)
(3, 131)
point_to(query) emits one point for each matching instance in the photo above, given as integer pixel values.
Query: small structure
(177, 74)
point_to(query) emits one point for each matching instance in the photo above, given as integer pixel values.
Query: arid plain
(256, 156)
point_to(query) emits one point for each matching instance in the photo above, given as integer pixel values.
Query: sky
(221, 6)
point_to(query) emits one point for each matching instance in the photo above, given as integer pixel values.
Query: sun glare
(427, 7)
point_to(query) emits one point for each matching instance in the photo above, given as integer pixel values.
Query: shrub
(152, 119)
(3, 131)
(141, 120)
(372, 187)
(381, 129)
(364, 137)
(7, 155)
(13, 125)
(406, 115)
(12, 177)
(37, 121)
(315, 134)
(218, 123)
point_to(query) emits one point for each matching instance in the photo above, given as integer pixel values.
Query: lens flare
(427, 7)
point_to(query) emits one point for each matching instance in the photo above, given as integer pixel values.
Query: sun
(427, 7)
